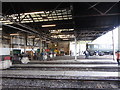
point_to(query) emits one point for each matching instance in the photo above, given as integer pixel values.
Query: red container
(47, 50)
(7, 58)
(118, 55)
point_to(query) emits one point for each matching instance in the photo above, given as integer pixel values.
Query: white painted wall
(4, 51)
(72, 48)
(105, 39)
(81, 47)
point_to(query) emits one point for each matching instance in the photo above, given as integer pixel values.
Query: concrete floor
(34, 70)
(63, 73)
(39, 64)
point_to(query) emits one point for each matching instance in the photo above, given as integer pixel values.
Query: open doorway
(106, 44)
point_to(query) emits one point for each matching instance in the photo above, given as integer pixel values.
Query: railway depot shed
(37, 38)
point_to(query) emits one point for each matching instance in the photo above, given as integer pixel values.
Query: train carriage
(100, 49)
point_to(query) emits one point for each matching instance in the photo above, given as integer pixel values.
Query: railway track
(113, 69)
(62, 74)
(59, 83)
(72, 62)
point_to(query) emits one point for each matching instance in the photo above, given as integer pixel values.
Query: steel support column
(18, 41)
(25, 43)
(11, 45)
(75, 48)
(113, 42)
(1, 37)
(40, 45)
(118, 38)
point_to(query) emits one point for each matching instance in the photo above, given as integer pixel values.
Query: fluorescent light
(37, 38)
(43, 40)
(8, 23)
(6, 37)
(55, 45)
(3, 21)
(0, 29)
(14, 34)
(31, 36)
(52, 25)
(47, 41)
(66, 39)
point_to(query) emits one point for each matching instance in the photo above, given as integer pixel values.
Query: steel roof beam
(31, 18)
(96, 9)
(112, 14)
(29, 28)
(110, 7)
(94, 5)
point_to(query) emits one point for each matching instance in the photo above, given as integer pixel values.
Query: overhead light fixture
(6, 37)
(48, 42)
(37, 38)
(66, 39)
(31, 36)
(55, 45)
(52, 25)
(14, 34)
(8, 23)
(44, 40)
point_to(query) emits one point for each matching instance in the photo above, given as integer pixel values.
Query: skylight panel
(42, 16)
